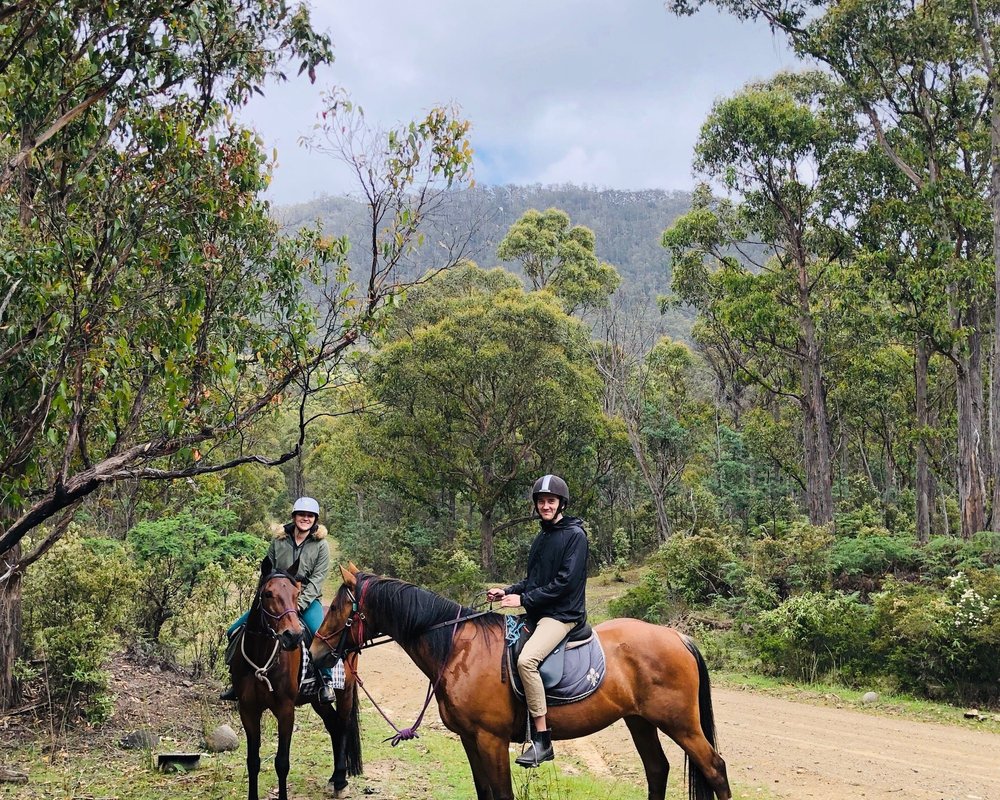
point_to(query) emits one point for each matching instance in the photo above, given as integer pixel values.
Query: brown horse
(656, 680)
(265, 673)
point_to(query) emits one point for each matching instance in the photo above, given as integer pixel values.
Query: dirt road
(792, 750)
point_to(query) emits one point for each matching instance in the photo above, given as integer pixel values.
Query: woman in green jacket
(303, 540)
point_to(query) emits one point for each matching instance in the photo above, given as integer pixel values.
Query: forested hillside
(627, 227)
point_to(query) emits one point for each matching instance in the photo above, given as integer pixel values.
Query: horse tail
(698, 786)
(352, 737)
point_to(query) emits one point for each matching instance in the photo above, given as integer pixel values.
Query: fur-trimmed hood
(279, 531)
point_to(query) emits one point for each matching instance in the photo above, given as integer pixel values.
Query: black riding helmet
(551, 484)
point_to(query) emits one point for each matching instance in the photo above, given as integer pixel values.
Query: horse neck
(413, 643)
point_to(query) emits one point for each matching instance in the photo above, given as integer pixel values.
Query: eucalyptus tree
(150, 313)
(481, 386)
(758, 269)
(561, 257)
(923, 77)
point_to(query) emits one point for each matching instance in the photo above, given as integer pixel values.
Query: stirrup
(535, 754)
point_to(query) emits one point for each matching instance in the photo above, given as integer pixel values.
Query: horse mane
(407, 612)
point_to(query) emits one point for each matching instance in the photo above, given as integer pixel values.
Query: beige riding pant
(545, 638)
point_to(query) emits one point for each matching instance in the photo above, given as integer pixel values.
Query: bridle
(356, 619)
(266, 617)
(343, 646)
(260, 670)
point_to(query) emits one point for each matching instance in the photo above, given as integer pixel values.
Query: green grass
(432, 766)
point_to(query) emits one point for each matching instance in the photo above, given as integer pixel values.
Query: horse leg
(251, 726)
(654, 762)
(705, 758)
(286, 724)
(472, 753)
(331, 717)
(494, 759)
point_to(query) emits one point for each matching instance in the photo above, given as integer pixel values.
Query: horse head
(343, 629)
(278, 596)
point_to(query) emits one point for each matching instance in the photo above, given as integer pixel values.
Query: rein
(405, 734)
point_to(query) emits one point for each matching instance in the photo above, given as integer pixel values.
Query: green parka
(313, 555)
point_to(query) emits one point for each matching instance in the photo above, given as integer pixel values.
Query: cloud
(579, 91)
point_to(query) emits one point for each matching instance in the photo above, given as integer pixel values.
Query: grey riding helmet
(307, 505)
(551, 484)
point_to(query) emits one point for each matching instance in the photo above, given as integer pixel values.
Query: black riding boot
(539, 751)
(229, 694)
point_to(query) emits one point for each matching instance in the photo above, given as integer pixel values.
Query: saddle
(571, 672)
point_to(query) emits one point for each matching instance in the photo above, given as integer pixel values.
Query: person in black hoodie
(554, 597)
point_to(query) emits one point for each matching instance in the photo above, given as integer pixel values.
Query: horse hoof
(337, 794)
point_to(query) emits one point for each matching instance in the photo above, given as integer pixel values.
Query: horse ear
(266, 567)
(351, 568)
(294, 570)
(348, 576)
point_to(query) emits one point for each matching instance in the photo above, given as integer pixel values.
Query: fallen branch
(12, 776)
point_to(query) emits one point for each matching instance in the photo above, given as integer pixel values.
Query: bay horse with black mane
(266, 673)
(656, 680)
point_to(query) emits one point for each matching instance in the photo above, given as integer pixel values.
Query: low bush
(77, 600)
(814, 635)
(698, 568)
(943, 642)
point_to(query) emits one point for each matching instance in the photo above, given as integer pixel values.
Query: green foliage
(698, 568)
(173, 553)
(196, 635)
(793, 557)
(852, 561)
(648, 600)
(561, 258)
(815, 634)
(944, 556)
(77, 601)
(480, 387)
(943, 642)
(458, 576)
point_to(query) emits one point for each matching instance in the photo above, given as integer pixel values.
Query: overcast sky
(609, 94)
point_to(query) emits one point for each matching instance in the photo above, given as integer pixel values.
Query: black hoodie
(556, 585)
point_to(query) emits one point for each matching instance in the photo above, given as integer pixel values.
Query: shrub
(458, 576)
(197, 633)
(816, 634)
(858, 563)
(793, 558)
(943, 556)
(173, 552)
(76, 600)
(944, 641)
(698, 568)
(646, 600)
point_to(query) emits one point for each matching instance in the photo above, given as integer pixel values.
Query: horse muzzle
(290, 640)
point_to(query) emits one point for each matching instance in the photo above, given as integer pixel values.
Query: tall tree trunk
(816, 427)
(10, 631)
(969, 390)
(995, 366)
(986, 40)
(486, 553)
(923, 478)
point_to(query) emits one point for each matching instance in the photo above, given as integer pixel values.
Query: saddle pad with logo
(583, 672)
